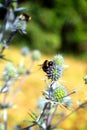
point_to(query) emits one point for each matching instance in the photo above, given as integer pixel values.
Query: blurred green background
(57, 25)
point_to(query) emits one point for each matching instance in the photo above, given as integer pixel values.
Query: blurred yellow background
(27, 98)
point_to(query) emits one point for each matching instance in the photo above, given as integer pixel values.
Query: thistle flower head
(54, 68)
(10, 71)
(25, 51)
(20, 24)
(54, 72)
(36, 55)
(59, 93)
(58, 60)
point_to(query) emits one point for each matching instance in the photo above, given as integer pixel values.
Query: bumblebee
(47, 66)
(25, 17)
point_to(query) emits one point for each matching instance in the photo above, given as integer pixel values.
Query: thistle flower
(58, 60)
(10, 71)
(36, 55)
(20, 24)
(25, 51)
(59, 93)
(55, 72)
(54, 68)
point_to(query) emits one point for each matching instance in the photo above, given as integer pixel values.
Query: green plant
(56, 95)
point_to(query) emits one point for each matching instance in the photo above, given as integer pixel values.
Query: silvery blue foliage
(10, 18)
(40, 103)
(20, 24)
(55, 96)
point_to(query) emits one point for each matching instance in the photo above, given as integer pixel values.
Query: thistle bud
(58, 60)
(36, 55)
(25, 51)
(10, 71)
(59, 93)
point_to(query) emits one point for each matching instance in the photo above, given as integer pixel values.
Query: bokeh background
(57, 26)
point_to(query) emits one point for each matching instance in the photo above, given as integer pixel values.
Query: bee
(25, 17)
(47, 65)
